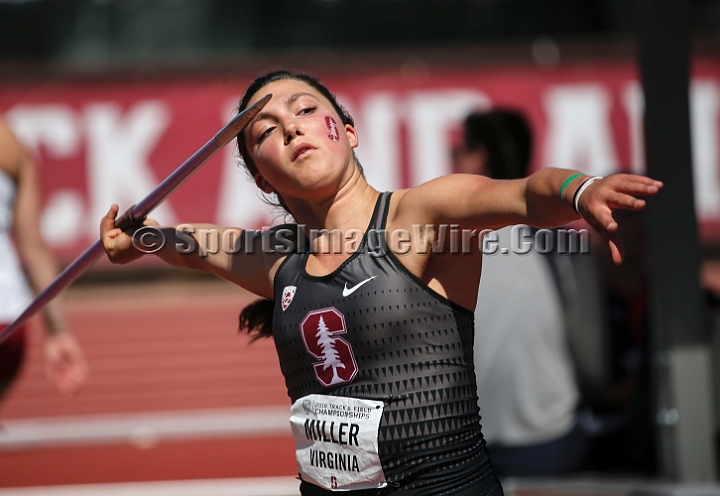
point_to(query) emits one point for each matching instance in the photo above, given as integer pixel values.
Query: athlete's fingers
(112, 213)
(624, 201)
(113, 233)
(617, 250)
(601, 219)
(117, 244)
(618, 191)
(607, 227)
(615, 192)
(633, 185)
(108, 221)
(108, 231)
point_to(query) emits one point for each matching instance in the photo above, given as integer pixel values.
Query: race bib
(336, 442)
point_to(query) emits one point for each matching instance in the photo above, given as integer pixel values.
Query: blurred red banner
(97, 143)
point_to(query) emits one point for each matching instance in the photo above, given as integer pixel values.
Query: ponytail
(256, 319)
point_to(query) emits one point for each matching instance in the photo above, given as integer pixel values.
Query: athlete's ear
(352, 135)
(263, 184)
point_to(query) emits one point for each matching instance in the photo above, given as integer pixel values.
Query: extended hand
(65, 365)
(598, 201)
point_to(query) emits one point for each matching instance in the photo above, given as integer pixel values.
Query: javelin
(136, 214)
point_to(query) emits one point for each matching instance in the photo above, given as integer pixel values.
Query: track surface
(152, 348)
(172, 349)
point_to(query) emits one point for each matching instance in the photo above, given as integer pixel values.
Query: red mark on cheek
(332, 129)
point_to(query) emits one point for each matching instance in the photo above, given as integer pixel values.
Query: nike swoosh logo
(348, 291)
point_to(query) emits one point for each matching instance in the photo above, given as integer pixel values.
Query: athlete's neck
(350, 207)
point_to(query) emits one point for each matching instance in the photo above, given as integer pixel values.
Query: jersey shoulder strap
(375, 240)
(380, 214)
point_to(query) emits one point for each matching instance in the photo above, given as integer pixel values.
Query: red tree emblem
(332, 129)
(319, 330)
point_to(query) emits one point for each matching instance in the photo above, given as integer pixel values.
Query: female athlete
(375, 333)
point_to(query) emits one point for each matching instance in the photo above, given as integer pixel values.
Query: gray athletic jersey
(394, 340)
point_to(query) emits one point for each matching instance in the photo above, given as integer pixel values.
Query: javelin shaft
(139, 212)
(135, 215)
(66, 277)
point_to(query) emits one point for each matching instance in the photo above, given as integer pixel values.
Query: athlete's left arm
(485, 203)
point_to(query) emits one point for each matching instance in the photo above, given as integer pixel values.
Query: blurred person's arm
(65, 364)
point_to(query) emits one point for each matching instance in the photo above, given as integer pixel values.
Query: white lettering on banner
(430, 114)
(337, 442)
(378, 126)
(63, 217)
(53, 128)
(50, 126)
(579, 133)
(704, 106)
(634, 103)
(118, 150)
(103, 145)
(239, 202)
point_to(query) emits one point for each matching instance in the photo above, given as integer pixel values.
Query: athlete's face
(298, 141)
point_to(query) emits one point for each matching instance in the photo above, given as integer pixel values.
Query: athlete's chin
(321, 188)
(314, 179)
(313, 176)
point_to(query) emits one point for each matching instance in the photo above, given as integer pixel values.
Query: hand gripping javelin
(135, 215)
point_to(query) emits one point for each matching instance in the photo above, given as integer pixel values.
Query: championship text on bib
(337, 442)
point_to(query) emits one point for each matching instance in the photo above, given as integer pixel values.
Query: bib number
(336, 442)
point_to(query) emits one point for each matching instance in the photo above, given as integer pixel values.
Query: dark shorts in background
(560, 456)
(12, 351)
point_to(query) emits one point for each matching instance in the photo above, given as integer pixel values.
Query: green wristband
(567, 183)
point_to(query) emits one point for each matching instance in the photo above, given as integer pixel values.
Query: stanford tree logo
(336, 361)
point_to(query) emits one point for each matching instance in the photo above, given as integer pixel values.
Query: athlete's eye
(307, 110)
(264, 134)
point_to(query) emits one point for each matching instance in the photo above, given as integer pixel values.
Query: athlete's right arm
(248, 267)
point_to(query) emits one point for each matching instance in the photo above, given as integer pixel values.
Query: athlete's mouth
(301, 151)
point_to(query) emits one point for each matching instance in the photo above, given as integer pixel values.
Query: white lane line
(255, 486)
(144, 429)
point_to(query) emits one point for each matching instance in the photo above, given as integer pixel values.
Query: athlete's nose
(292, 129)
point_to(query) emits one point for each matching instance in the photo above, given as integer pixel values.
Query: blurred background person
(30, 268)
(533, 311)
